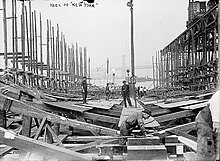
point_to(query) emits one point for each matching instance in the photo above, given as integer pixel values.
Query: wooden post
(218, 43)
(36, 47)
(70, 68)
(85, 61)
(153, 71)
(16, 34)
(33, 44)
(156, 71)
(58, 55)
(53, 59)
(73, 65)
(41, 52)
(61, 56)
(107, 69)
(77, 63)
(31, 38)
(23, 38)
(3, 118)
(81, 62)
(28, 49)
(13, 34)
(48, 53)
(26, 125)
(5, 33)
(89, 70)
(65, 63)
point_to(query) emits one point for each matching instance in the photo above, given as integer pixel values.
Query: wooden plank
(38, 147)
(87, 115)
(40, 128)
(11, 53)
(22, 108)
(209, 95)
(176, 115)
(98, 117)
(63, 137)
(68, 105)
(188, 142)
(196, 106)
(7, 105)
(183, 128)
(3, 118)
(5, 150)
(107, 112)
(92, 144)
(80, 118)
(55, 136)
(179, 104)
(26, 125)
(183, 134)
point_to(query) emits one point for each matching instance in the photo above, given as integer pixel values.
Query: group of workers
(207, 124)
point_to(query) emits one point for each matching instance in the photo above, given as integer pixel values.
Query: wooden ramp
(127, 111)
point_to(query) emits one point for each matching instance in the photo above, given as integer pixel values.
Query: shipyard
(101, 80)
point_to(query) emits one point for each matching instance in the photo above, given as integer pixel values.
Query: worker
(205, 140)
(107, 92)
(84, 89)
(208, 130)
(215, 112)
(136, 119)
(125, 93)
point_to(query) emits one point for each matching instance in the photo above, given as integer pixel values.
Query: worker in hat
(125, 93)
(84, 89)
(136, 119)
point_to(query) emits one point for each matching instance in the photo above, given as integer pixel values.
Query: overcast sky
(105, 28)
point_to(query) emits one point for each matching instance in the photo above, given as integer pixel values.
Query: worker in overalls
(136, 119)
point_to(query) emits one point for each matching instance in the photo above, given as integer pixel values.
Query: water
(118, 82)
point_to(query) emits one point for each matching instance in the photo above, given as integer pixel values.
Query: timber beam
(181, 128)
(38, 147)
(176, 115)
(25, 109)
(85, 115)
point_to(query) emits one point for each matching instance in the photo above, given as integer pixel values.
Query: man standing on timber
(125, 93)
(84, 89)
(136, 119)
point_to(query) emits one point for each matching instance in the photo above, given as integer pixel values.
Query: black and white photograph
(109, 80)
